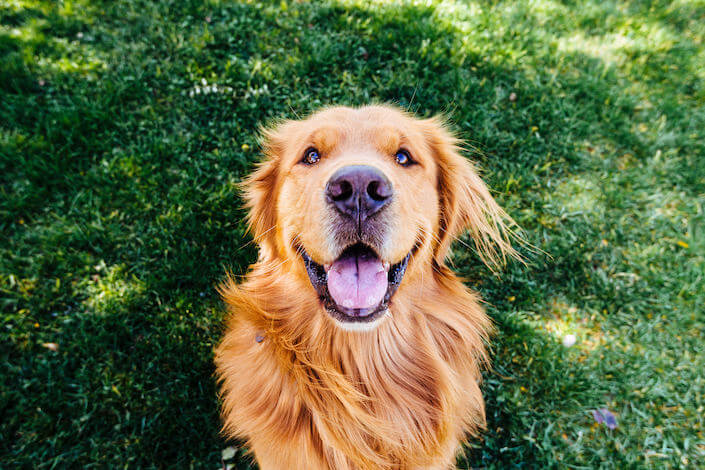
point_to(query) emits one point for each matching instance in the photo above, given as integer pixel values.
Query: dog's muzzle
(358, 286)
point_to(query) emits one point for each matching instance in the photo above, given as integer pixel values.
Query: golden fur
(305, 393)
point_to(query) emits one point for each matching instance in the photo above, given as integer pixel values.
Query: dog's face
(362, 200)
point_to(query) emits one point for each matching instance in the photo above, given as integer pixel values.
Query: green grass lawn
(125, 127)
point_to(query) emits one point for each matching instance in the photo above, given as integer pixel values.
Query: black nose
(359, 191)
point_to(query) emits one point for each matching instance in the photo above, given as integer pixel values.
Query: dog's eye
(403, 158)
(311, 156)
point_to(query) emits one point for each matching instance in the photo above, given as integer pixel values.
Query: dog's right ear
(260, 190)
(466, 202)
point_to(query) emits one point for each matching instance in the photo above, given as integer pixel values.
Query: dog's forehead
(379, 126)
(365, 117)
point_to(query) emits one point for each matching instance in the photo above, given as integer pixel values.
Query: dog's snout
(358, 191)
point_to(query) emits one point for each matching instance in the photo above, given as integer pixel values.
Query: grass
(125, 127)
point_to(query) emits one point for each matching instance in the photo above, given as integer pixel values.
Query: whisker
(257, 238)
(413, 95)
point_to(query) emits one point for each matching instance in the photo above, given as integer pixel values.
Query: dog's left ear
(260, 190)
(466, 202)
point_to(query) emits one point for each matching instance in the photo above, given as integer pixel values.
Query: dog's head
(359, 201)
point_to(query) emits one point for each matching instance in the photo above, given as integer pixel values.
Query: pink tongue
(357, 281)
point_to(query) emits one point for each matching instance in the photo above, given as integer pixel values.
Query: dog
(350, 344)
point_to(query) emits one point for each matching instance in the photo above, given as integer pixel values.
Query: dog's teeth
(386, 265)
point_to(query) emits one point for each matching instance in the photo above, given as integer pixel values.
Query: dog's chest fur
(400, 397)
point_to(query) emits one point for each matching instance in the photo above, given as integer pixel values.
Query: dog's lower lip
(318, 275)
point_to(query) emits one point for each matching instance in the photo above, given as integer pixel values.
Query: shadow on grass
(124, 213)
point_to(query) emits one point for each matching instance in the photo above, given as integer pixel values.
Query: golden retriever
(350, 344)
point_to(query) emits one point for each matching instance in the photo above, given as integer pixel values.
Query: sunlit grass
(578, 194)
(111, 288)
(126, 126)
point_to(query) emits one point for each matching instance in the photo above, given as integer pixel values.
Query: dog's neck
(433, 306)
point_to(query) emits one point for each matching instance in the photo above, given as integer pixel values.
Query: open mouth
(356, 287)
